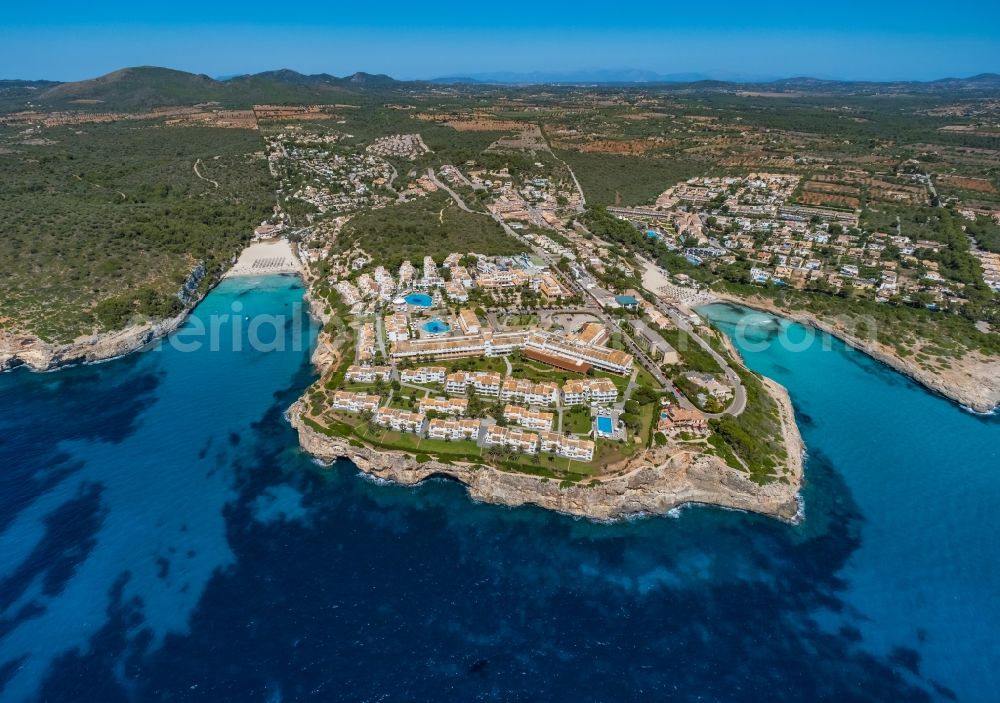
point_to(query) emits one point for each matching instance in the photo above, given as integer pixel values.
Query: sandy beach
(271, 256)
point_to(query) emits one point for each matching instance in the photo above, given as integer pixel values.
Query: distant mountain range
(148, 86)
(596, 76)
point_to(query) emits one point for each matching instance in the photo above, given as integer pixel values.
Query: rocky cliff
(26, 350)
(654, 482)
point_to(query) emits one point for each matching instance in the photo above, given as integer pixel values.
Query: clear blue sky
(873, 39)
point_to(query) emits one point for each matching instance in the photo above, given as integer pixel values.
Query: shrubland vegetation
(430, 226)
(106, 222)
(610, 179)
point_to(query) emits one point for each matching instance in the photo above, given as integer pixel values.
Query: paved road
(591, 307)
(579, 189)
(454, 196)
(379, 337)
(739, 395)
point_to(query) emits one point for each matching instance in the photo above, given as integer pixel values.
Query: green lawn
(577, 420)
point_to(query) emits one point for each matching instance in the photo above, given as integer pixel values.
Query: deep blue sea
(162, 538)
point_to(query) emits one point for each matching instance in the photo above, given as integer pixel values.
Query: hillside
(149, 86)
(106, 224)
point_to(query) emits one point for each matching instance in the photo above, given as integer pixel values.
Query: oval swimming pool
(419, 300)
(435, 326)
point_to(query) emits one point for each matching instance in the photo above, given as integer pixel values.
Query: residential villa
(711, 385)
(675, 419)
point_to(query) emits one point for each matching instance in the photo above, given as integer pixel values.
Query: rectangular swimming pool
(604, 425)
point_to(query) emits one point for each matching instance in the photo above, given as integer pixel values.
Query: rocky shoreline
(974, 384)
(31, 352)
(27, 350)
(652, 483)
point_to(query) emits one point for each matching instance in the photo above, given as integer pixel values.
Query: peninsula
(509, 292)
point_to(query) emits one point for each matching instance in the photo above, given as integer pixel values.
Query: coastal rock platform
(653, 482)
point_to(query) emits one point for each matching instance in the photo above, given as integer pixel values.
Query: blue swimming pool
(626, 300)
(435, 326)
(419, 300)
(604, 425)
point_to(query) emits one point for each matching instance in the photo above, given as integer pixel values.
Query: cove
(164, 538)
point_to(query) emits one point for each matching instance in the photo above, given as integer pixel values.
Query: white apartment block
(601, 357)
(367, 374)
(467, 428)
(483, 382)
(445, 406)
(423, 374)
(469, 321)
(456, 291)
(531, 419)
(566, 446)
(367, 286)
(350, 294)
(595, 391)
(460, 274)
(528, 392)
(355, 402)
(400, 420)
(406, 274)
(397, 327)
(520, 440)
(430, 269)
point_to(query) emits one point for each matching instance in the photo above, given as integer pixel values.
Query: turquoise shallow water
(163, 538)
(925, 475)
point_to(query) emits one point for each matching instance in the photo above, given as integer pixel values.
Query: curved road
(739, 395)
(739, 403)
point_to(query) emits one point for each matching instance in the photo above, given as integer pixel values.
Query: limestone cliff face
(653, 483)
(26, 350)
